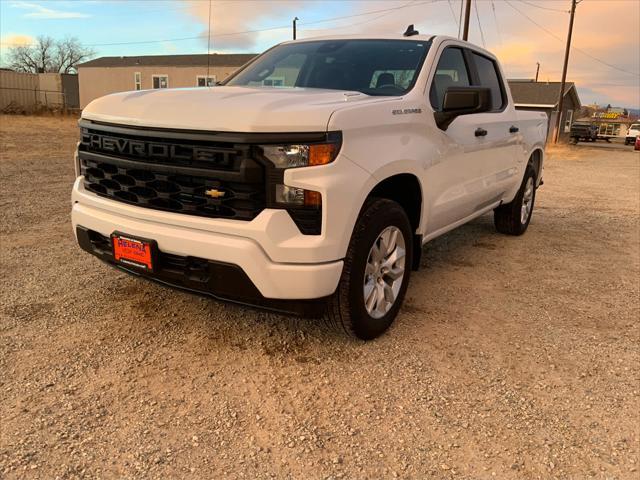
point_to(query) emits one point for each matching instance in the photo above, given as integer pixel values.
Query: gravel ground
(514, 358)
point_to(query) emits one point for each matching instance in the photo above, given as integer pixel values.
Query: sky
(604, 62)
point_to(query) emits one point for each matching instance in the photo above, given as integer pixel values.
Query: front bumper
(220, 280)
(271, 279)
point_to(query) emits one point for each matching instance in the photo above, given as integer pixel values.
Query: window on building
(137, 80)
(568, 121)
(160, 81)
(490, 78)
(609, 129)
(451, 72)
(273, 82)
(206, 81)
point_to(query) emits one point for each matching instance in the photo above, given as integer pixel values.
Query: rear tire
(376, 271)
(513, 218)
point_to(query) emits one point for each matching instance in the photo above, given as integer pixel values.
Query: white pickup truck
(315, 196)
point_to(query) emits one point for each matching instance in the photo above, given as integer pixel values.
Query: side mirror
(462, 101)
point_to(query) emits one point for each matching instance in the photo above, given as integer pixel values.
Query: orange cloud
(518, 32)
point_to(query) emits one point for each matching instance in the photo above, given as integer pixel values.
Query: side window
(490, 78)
(451, 72)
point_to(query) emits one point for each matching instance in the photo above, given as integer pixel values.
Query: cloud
(242, 16)
(607, 31)
(16, 39)
(39, 11)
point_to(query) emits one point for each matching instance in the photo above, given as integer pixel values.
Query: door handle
(513, 129)
(480, 132)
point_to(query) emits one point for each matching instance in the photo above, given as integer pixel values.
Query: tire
(346, 308)
(511, 218)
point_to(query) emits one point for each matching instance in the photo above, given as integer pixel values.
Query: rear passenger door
(500, 142)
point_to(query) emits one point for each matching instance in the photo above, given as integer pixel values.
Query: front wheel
(376, 271)
(513, 218)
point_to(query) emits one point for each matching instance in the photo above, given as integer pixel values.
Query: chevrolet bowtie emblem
(213, 193)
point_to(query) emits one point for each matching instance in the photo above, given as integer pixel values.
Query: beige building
(120, 74)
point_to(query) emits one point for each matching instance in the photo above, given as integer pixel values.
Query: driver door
(456, 182)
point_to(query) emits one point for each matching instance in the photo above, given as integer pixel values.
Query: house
(543, 97)
(107, 75)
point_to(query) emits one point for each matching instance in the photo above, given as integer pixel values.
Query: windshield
(374, 67)
(635, 126)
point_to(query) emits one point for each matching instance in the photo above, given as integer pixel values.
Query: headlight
(292, 156)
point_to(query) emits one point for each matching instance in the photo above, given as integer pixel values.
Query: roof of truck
(364, 36)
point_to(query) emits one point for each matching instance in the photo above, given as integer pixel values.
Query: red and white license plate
(135, 252)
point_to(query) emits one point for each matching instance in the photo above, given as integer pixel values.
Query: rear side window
(489, 77)
(451, 71)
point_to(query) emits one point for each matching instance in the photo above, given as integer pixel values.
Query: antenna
(206, 79)
(410, 31)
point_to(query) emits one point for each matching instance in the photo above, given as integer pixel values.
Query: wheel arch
(406, 190)
(536, 159)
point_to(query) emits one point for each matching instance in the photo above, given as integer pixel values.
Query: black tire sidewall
(390, 214)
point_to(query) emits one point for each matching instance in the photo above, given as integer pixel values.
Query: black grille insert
(191, 177)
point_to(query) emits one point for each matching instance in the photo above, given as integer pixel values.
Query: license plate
(134, 252)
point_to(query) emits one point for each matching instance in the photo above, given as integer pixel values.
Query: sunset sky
(605, 60)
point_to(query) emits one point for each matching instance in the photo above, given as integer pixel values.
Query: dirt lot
(513, 358)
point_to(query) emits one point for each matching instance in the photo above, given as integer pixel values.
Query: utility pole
(556, 132)
(294, 27)
(467, 14)
(537, 70)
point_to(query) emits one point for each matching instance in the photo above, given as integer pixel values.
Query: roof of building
(195, 60)
(542, 94)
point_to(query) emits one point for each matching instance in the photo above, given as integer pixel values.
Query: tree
(48, 55)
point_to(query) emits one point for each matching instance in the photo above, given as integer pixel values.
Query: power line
(560, 39)
(410, 4)
(206, 79)
(495, 19)
(196, 37)
(460, 22)
(453, 14)
(475, 4)
(544, 8)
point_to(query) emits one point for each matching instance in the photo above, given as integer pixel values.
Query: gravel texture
(513, 358)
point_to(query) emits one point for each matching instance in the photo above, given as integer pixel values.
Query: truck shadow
(281, 335)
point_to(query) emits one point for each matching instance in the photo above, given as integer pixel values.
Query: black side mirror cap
(462, 101)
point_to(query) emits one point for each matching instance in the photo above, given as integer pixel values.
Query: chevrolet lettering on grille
(151, 150)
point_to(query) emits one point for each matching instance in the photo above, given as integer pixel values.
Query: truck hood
(230, 109)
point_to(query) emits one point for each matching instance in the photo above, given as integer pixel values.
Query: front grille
(190, 176)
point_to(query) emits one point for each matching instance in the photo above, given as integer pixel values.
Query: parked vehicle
(584, 131)
(637, 144)
(632, 134)
(315, 197)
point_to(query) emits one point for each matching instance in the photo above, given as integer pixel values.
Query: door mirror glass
(462, 101)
